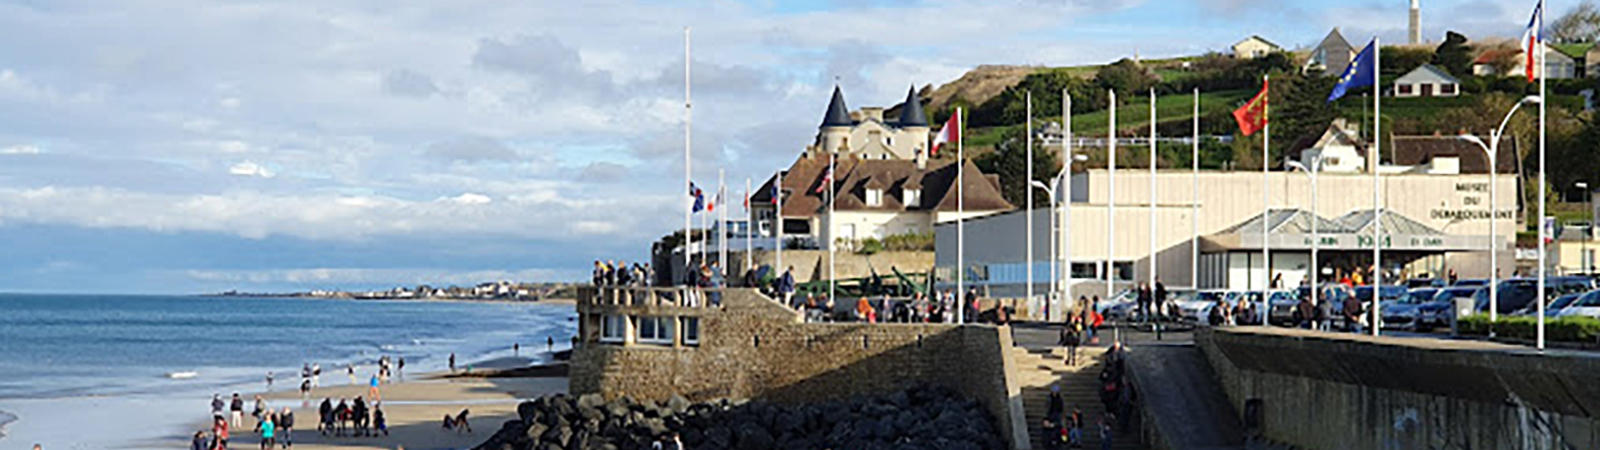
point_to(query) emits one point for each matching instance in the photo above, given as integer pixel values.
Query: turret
(836, 123)
(914, 122)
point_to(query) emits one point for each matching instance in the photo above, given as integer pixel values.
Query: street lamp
(1492, 149)
(1056, 237)
(1583, 260)
(1316, 238)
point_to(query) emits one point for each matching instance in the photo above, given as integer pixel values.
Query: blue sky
(184, 146)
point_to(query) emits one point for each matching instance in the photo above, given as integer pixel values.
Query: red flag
(1532, 41)
(950, 133)
(1252, 116)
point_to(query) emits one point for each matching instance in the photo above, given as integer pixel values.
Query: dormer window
(874, 197)
(913, 198)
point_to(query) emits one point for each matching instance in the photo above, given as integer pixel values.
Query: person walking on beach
(400, 368)
(341, 415)
(316, 375)
(217, 405)
(268, 430)
(220, 430)
(325, 416)
(379, 424)
(236, 411)
(358, 417)
(516, 349)
(286, 427)
(260, 410)
(550, 344)
(269, 381)
(350, 369)
(452, 362)
(372, 388)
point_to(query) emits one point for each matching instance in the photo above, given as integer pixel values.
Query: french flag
(1532, 39)
(827, 179)
(950, 133)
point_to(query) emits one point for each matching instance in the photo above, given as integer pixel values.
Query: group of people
(920, 308)
(1151, 300)
(1060, 429)
(352, 417)
(1239, 312)
(1082, 327)
(275, 427)
(620, 273)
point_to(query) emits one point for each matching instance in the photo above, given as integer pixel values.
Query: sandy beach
(414, 409)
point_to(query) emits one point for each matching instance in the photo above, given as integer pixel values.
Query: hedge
(1562, 329)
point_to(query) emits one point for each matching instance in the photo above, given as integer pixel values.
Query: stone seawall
(1324, 391)
(754, 348)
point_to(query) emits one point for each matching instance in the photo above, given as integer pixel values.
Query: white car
(1586, 305)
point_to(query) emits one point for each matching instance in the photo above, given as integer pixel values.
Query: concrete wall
(751, 347)
(1342, 391)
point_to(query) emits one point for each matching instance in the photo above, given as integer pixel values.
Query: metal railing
(677, 296)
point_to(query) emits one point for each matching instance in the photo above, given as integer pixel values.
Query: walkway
(1040, 365)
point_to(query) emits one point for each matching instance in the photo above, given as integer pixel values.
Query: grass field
(1135, 113)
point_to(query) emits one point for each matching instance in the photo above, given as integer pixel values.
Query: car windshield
(1589, 300)
(1420, 296)
(1446, 295)
(1566, 300)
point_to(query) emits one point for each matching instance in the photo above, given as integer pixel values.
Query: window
(1332, 161)
(1124, 271)
(691, 330)
(874, 197)
(613, 328)
(1447, 89)
(1404, 89)
(655, 330)
(1086, 270)
(913, 198)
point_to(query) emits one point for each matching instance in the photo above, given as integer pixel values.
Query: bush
(915, 242)
(1562, 329)
(869, 246)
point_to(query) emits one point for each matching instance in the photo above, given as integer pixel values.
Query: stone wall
(752, 347)
(1340, 391)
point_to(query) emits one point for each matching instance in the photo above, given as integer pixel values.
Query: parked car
(1517, 294)
(1402, 313)
(1283, 309)
(1471, 282)
(1438, 311)
(1423, 282)
(1196, 308)
(1585, 305)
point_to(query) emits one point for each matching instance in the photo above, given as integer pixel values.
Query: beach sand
(415, 410)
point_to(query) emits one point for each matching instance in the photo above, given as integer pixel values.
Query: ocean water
(63, 350)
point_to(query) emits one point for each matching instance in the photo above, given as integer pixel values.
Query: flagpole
(1111, 200)
(1266, 197)
(749, 236)
(1154, 269)
(1194, 205)
(688, 136)
(961, 208)
(1377, 196)
(777, 216)
(1543, 72)
(833, 239)
(722, 223)
(1027, 196)
(1065, 234)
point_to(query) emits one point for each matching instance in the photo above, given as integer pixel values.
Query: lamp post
(1057, 228)
(1049, 192)
(1316, 238)
(1583, 258)
(1492, 149)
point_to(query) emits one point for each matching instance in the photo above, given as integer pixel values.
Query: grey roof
(911, 114)
(1427, 73)
(1360, 221)
(838, 114)
(1334, 40)
(1292, 221)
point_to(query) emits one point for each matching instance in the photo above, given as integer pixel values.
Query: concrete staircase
(1039, 369)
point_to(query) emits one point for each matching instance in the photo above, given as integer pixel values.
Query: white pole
(1066, 201)
(1266, 202)
(1542, 72)
(1194, 205)
(1316, 238)
(1111, 201)
(1494, 233)
(688, 161)
(722, 224)
(777, 216)
(749, 236)
(1154, 271)
(1027, 195)
(1377, 208)
(961, 209)
(833, 229)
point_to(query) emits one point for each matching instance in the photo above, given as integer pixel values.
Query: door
(1427, 90)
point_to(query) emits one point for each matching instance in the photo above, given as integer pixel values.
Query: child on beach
(378, 422)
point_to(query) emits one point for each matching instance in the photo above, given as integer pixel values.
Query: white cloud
(250, 169)
(469, 199)
(20, 149)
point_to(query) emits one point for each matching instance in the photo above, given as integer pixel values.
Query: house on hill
(1557, 64)
(1427, 81)
(1254, 47)
(1332, 56)
(883, 180)
(1340, 149)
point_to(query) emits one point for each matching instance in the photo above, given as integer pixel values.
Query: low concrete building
(1515, 62)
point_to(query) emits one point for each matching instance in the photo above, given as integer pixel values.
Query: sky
(185, 146)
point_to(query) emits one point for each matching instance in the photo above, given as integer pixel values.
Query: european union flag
(1359, 74)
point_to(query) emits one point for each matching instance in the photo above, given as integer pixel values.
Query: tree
(1454, 54)
(1579, 24)
(1124, 77)
(1009, 161)
(1399, 60)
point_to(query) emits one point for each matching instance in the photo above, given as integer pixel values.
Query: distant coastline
(503, 291)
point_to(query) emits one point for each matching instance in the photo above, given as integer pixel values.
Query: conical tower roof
(911, 114)
(838, 114)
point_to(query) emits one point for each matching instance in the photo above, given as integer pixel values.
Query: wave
(5, 418)
(184, 375)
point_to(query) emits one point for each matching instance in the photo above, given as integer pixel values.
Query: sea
(132, 370)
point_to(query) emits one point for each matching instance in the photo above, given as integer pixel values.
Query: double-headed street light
(1316, 238)
(1058, 205)
(1492, 149)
